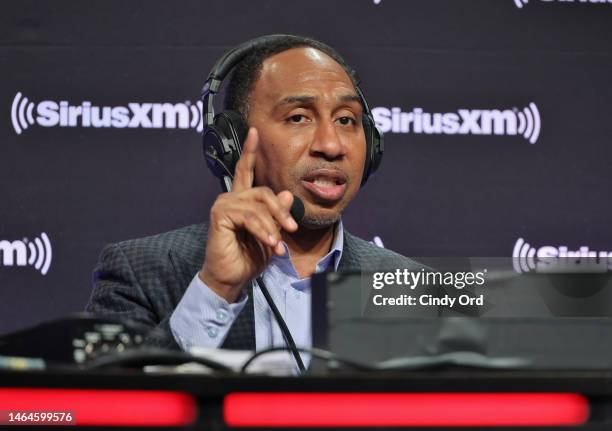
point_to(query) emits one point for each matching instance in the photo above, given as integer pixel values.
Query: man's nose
(327, 142)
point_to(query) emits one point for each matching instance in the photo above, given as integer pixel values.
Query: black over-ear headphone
(225, 133)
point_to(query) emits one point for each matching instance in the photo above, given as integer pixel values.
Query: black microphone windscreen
(297, 209)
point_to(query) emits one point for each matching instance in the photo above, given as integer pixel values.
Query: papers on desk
(273, 363)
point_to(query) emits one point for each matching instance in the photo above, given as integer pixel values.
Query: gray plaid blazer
(143, 280)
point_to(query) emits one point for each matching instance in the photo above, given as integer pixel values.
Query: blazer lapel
(350, 260)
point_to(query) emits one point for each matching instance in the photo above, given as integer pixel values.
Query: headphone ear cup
(378, 148)
(227, 136)
(374, 148)
(368, 156)
(236, 127)
(213, 148)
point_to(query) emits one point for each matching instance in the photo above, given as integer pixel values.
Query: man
(193, 286)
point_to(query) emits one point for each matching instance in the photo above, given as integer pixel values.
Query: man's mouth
(326, 184)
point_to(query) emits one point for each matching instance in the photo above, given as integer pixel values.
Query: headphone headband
(231, 58)
(226, 63)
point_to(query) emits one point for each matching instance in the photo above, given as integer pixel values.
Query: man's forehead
(300, 65)
(300, 56)
(300, 74)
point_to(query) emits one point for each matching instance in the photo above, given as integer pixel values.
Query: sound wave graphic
(21, 113)
(523, 256)
(197, 120)
(530, 123)
(37, 253)
(40, 253)
(519, 3)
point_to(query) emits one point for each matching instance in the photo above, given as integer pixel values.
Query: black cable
(315, 353)
(283, 326)
(214, 157)
(297, 211)
(152, 356)
(415, 363)
(149, 356)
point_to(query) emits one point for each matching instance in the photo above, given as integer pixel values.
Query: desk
(209, 394)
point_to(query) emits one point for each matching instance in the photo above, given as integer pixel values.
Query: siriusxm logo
(49, 113)
(510, 122)
(520, 3)
(526, 258)
(37, 253)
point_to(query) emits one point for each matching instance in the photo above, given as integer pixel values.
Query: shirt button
(222, 315)
(212, 331)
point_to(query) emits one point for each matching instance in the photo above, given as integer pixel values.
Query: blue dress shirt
(203, 319)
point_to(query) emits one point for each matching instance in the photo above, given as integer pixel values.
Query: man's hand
(244, 228)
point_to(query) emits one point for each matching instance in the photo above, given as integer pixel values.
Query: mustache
(305, 171)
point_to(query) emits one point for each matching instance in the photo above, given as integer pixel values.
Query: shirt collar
(335, 252)
(326, 262)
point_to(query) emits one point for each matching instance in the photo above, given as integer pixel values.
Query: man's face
(312, 143)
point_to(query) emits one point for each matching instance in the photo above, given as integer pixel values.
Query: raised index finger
(245, 168)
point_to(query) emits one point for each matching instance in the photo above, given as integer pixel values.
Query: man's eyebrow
(295, 100)
(350, 98)
(307, 100)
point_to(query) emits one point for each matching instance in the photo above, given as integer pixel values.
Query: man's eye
(345, 121)
(297, 118)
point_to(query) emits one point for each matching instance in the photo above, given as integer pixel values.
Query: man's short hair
(246, 73)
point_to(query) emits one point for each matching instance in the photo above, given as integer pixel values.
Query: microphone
(297, 209)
